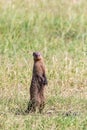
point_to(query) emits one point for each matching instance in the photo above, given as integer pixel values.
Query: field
(58, 29)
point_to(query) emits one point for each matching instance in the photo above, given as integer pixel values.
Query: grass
(58, 29)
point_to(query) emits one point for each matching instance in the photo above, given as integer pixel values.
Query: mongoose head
(37, 56)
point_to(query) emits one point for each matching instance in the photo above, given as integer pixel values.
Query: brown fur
(38, 83)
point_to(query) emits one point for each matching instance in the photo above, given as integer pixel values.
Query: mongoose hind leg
(41, 107)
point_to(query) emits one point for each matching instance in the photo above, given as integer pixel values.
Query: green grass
(58, 29)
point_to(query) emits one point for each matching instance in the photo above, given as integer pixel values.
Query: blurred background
(58, 29)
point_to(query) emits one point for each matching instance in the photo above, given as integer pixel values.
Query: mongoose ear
(33, 53)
